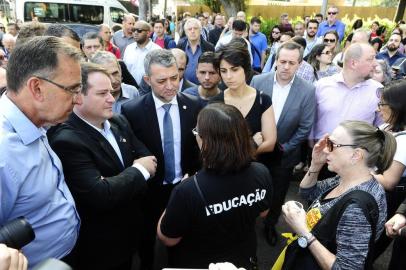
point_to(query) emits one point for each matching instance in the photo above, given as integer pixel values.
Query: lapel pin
(184, 107)
(124, 140)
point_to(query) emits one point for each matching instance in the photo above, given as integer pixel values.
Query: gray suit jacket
(297, 117)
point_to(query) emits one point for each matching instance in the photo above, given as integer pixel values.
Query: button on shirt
(190, 71)
(134, 59)
(33, 185)
(174, 112)
(279, 95)
(337, 102)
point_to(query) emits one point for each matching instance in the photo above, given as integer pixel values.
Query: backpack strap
(325, 230)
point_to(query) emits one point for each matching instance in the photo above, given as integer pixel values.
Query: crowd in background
(189, 131)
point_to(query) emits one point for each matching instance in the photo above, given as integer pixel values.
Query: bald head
(241, 16)
(181, 61)
(355, 51)
(360, 36)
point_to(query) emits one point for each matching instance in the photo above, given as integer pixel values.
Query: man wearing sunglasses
(135, 53)
(332, 23)
(43, 85)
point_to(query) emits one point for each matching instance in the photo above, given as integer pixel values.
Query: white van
(71, 11)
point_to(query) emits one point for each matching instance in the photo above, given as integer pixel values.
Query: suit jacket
(141, 115)
(186, 84)
(106, 192)
(297, 117)
(205, 46)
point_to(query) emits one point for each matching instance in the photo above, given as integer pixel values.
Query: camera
(17, 233)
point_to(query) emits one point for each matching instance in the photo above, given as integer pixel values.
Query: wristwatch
(305, 241)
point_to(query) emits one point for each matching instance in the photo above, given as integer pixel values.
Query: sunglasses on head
(327, 40)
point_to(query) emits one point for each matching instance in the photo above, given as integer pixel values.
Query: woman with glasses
(321, 59)
(274, 38)
(256, 107)
(392, 110)
(349, 210)
(211, 216)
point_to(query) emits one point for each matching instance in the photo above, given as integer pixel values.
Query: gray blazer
(297, 117)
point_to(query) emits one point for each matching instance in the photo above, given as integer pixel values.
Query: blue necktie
(169, 149)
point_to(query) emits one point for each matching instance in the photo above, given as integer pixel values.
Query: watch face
(302, 241)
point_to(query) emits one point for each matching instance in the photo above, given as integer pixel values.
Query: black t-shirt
(228, 235)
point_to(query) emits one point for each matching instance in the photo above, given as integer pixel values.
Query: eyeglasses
(139, 30)
(74, 90)
(327, 40)
(381, 104)
(330, 145)
(327, 53)
(195, 132)
(332, 13)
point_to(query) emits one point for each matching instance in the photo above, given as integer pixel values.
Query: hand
(393, 225)
(149, 163)
(223, 266)
(319, 158)
(258, 139)
(295, 218)
(12, 259)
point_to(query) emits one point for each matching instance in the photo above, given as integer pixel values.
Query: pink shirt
(336, 102)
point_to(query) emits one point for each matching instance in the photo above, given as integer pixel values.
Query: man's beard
(392, 48)
(311, 36)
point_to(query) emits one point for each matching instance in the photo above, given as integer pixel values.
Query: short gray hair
(103, 57)
(37, 57)
(160, 57)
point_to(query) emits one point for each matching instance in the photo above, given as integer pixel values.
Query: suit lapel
(124, 145)
(183, 114)
(289, 101)
(97, 138)
(152, 121)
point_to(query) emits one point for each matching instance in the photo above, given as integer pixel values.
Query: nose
(110, 98)
(77, 99)
(207, 76)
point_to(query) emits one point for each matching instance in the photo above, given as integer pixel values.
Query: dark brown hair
(226, 140)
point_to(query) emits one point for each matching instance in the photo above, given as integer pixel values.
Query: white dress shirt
(279, 96)
(174, 113)
(134, 58)
(108, 134)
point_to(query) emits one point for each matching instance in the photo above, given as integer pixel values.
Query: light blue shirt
(337, 26)
(32, 185)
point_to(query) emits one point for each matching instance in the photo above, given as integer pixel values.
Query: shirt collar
(340, 79)
(288, 85)
(23, 126)
(159, 103)
(106, 125)
(146, 46)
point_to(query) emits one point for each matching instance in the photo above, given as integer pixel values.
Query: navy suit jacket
(141, 115)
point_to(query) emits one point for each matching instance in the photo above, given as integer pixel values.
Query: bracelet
(312, 239)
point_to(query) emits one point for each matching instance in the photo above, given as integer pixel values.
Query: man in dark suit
(163, 120)
(106, 169)
(294, 104)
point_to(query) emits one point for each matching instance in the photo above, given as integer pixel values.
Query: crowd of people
(111, 141)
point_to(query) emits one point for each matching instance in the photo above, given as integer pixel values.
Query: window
(66, 13)
(117, 15)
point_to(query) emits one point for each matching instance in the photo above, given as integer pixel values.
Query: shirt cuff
(144, 171)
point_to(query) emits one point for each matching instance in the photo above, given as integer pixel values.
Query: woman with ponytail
(348, 212)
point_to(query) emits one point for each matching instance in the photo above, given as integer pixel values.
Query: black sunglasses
(332, 13)
(139, 30)
(327, 40)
